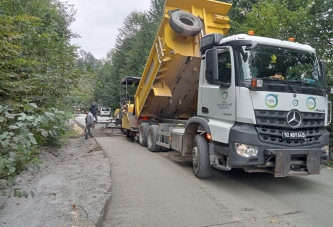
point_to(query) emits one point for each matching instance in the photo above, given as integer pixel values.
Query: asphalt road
(81, 119)
(160, 189)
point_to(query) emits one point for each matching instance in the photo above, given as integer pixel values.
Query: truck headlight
(246, 150)
(326, 149)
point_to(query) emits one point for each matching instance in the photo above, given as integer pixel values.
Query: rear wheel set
(152, 137)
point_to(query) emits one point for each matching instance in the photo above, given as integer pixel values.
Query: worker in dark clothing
(94, 110)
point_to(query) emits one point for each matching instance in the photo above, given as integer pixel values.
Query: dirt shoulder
(72, 188)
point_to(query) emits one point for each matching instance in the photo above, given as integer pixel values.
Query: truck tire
(143, 132)
(185, 23)
(152, 138)
(200, 158)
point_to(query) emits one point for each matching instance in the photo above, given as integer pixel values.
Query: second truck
(241, 101)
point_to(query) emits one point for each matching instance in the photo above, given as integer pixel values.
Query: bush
(23, 129)
(330, 129)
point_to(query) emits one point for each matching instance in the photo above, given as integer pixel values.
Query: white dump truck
(241, 101)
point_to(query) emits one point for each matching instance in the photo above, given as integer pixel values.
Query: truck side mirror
(329, 90)
(211, 73)
(323, 70)
(323, 67)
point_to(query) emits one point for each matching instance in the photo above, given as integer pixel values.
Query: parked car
(99, 110)
(105, 111)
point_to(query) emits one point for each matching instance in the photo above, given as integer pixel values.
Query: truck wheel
(143, 132)
(185, 23)
(200, 157)
(152, 138)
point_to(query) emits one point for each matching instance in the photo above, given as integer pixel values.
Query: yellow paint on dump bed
(168, 86)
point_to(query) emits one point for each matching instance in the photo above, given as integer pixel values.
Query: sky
(97, 22)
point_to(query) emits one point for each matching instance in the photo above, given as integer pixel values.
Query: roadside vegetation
(330, 164)
(41, 79)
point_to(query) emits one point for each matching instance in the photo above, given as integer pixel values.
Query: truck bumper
(279, 160)
(309, 163)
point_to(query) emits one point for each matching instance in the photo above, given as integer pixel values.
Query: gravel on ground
(72, 188)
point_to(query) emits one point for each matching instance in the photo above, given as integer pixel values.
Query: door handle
(204, 110)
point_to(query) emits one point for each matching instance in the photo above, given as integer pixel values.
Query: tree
(306, 20)
(129, 56)
(38, 73)
(237, 13)
(37, 60)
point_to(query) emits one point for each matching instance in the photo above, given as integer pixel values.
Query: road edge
(102, 217)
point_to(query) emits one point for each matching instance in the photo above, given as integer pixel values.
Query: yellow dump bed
(169, 83)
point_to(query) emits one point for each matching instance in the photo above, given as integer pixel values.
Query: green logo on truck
(224, 95)
(311, 103)
(271, 100)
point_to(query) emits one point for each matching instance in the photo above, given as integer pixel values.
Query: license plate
(293, 135)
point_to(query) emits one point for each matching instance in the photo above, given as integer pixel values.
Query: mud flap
(313, 161)
(282, 163)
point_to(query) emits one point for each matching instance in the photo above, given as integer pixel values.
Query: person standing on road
(94, 110)
(89, 123)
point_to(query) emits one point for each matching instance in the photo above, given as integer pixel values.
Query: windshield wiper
(321, 91)
(308, 83)
(282, 81)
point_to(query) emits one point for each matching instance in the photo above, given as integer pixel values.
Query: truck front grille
(273, 118)
(271, 125)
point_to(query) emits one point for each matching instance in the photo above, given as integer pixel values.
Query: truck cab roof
(268, 41)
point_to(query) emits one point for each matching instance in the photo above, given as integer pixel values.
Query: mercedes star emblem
(295, 95)
(294, 119)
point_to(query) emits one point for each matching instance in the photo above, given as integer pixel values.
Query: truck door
(218, 97)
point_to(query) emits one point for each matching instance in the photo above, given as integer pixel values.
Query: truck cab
(266, 104)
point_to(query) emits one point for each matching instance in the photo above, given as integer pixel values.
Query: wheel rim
(195, 156)
(186, 21)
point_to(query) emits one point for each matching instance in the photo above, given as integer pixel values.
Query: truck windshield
(296, 67)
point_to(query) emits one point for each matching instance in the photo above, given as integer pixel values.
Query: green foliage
(15, 191)
(37, 60)
(308, 21)
(237, 14)
(82, 93)
(39, 76)
(22, 131)
(330, 97)
(275, 20)
(71, 133)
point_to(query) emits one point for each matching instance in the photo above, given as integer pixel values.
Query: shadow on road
(238, 178)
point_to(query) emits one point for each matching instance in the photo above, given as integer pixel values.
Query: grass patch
(72, 132)
(329, 164)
